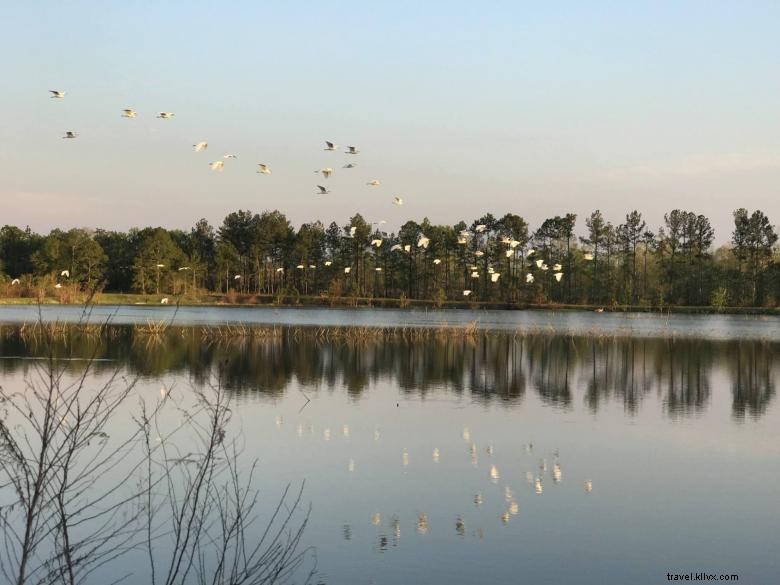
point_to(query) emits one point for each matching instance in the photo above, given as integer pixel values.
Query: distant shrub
(719, 299)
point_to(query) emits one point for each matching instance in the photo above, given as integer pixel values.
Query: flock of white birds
(464, 237)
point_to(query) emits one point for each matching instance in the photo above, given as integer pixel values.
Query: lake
(544, 447)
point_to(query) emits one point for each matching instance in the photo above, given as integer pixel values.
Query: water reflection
(486, 368)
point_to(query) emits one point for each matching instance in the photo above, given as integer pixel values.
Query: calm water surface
(539, 458)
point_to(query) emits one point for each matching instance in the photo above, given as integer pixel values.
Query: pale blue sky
(460, 108)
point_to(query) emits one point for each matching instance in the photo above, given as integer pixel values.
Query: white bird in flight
(557, 267)
(376, 242)
(129, 113)
(347, 269)
(558, 276)
(326, 172)
(56, 94)
(408, 248)
(328, 262)
(479, 253)
(217, 165)
(200, 146)
(352, 150)
(494, 277)
(226, 156)
(588, 256)
(263, 168)
(539, 263)
(374, 183)
(480, 228)
(396, 247)
(423, 242)
(466, 293)
(436, 261)
(350, 166)
(398, 201)
(70, 134)
(237, 277)
(279, 270)
(65, 273)
(330, 146)
(15, 281)
(529, 278)
(165, 115)
(322, 190)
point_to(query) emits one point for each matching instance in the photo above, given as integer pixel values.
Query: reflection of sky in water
(468, 462)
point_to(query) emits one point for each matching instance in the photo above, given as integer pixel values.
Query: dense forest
(491, 259)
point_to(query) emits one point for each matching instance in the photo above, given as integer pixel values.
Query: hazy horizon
(458, 108)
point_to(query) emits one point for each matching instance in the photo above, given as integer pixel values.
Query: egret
(352, 150)
(217, 165)
(557, 473)
(475, 274)
(374, 183)
(506, 240)
(326, 172)
(494, 475)
(529, 278)
(160, 265)
(226, 156)
(558, 276)
(376, 518)
(514, 508)
(539, 263)
(466, 293)
(347, 269)
(349, 166)
(494, 277)
(530, 251)
(322, 190)
(435, 455)
(436, 261)
(514, 244)
(263, 168)
(300, 267)
(557, 267)
(15, 281)
(352, 231)
(378, 269)
(408, 248)
(480, 228)
(55, 94)
(312, 266)
(376, 242)
(237, 277)
(70, 134)
(330, 146)
(588, 486)
(600, 310)
(508, 253)
(184, 268)
(279, 270)
(423, 242)
(504, 517)
(538, 487)
(588, 256)
(462, 240)
(328, 262)
(479, 253)
(398, 201)
(164, 301)
(165, 115)
(129, 113)
(65, 273)
(200, 146)
(396, 247)
(545, 267)
(58, 285)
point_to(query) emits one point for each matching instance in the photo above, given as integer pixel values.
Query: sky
(461, 108)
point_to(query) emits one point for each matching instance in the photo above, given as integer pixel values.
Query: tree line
(497, 259)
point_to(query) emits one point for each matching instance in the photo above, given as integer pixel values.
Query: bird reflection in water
(460, 526)
(347, 531)
(422, 523)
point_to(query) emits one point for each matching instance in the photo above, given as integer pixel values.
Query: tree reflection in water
(483, 367)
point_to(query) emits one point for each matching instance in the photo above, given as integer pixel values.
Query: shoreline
(258, 300)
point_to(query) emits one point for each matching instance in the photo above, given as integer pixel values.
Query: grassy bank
(236, 300)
